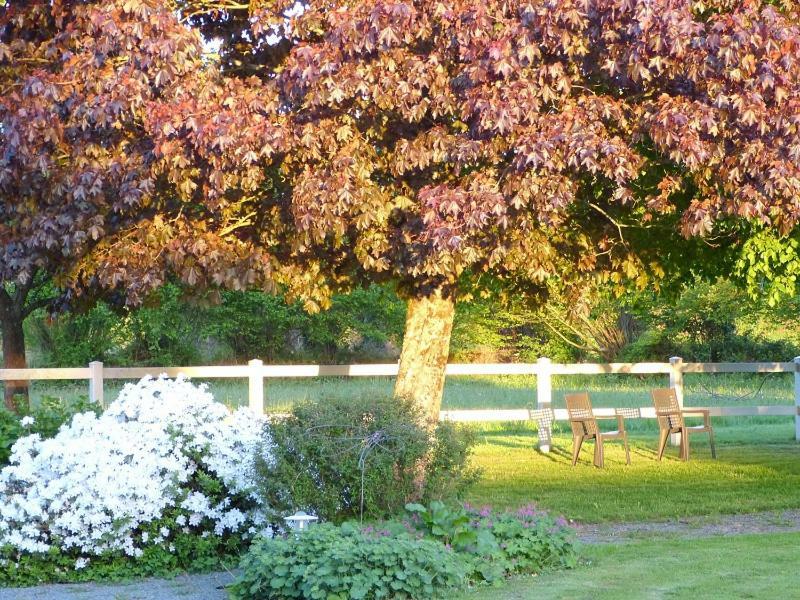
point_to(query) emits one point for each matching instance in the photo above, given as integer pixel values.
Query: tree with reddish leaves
(90, 197)
(453, 148)
(456, 146)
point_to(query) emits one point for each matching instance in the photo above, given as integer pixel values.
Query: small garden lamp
(300, 520)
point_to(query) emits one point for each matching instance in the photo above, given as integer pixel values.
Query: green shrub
(48, 416)
(175, 329)
(10, 432)
(710, 322)
(351, 457)
(495, 545)
(75, 339)
(53, 412)
(330, 562)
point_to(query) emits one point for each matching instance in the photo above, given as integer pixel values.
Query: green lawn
(495, 391)
(758, 469)
(747, 566)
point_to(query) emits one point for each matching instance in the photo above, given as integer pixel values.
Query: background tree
(88, 200)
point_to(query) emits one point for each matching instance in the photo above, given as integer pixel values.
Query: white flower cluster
(91, 487)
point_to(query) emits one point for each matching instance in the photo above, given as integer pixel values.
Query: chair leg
(598, 451)
(711, 439)
(577, 442)
(685, 445)
(627, 449)
(662, 442)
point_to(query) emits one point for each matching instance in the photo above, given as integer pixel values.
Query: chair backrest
(581, 418)
(544, 418)
(628, 412)
(668, 411)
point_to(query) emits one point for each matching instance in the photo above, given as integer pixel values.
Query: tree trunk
(13, 354)
(424, 355)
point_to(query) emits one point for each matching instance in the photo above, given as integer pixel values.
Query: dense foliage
(712, 322)
(84, 155)
(161, 480)
(699, 321)
(345, 562)
(431, 141)
(497, 544)
(77, 164)
(44, 420)
(366, 325)
(365, 456)
(419, 556)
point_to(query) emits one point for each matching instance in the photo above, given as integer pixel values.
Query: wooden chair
(670, 420)
(584, 427)
(544, 418)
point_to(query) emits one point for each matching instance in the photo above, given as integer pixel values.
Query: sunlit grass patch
(758, 469)
(747, 566)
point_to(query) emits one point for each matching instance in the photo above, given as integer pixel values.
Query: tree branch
(565, 338)
(21, 291)
(35, 305)
(616, 223)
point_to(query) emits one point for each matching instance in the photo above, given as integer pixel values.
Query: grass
(495, 391)
(758, 469)
(747, 566)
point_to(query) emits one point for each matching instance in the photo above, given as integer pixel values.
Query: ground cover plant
(425, 554)
(495, 544)
(738, 566)
(160, 481)
(330, 561)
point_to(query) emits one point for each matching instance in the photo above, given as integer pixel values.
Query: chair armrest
(581, 419)
(666, 413)
(620, 420)
(704, 412)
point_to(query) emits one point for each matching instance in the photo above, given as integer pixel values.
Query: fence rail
(256, 372)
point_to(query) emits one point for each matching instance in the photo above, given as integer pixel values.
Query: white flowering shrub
(163, 475)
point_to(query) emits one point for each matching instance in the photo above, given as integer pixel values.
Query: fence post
(256, 386)
(676, 383)
(96, 383)
(544, 398)
(797, 398)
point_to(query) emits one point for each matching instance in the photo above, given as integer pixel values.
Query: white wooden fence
(256, 372)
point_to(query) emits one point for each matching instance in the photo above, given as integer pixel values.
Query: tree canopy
(446, 146)
(88, 197)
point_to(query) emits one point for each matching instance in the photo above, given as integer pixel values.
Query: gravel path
(692, 527)
(185, 587)
(212, 586)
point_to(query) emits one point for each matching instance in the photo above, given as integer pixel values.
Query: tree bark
(11, 319)
(423, 359)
